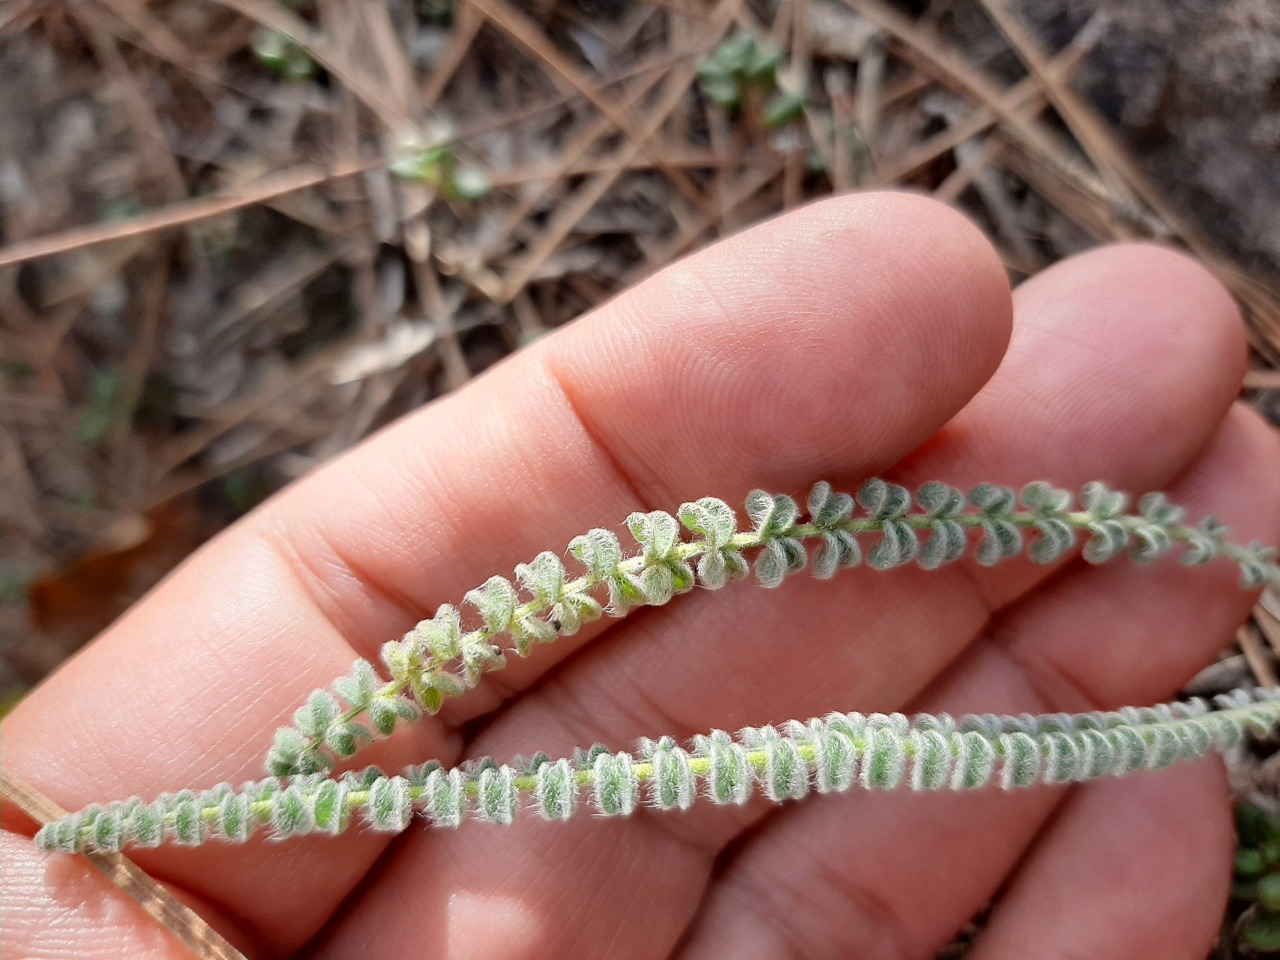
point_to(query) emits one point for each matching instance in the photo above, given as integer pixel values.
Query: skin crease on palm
(870, 334)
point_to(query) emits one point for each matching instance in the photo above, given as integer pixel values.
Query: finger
(690, 667)
(1135, 385)
(1134, 869)
(816, 308)
(95, 920)
(874, 853)
(813, 357)
(730, 370)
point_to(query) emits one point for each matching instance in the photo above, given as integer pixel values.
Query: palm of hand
(864, 335)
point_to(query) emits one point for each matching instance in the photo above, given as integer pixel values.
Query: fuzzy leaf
(1000, 540)
(940, 501)
(1021, 760)
(1150, 543)
(771, 565)
(886, 760)
(1055, 538)
(599, 551)
(993, 501)
(827, 509)
(1044, 500)
(674, 786)
(543, 577)
(557, 790)
(712, 520)
(330, 810)
(658, 583)
(975, 762)
(357, 688)
(931, 763)
(884, 501)
(1157, 508)
(1062, 758)
(1102, 503)
(771, 515)
(441, 634)
(398, 657)
(657, 532)
(479, 657)
(1108, 541)
(529, 630)
(898, 545)
(390, 806)
(946, 544)
(291, 813)
(839, 550)
(385, 712)
(1200, 549)
(344, 737)
(616, 788)
(495, 599)
(1253, 574)
(729, 779)
(444, 798)
(320, 710)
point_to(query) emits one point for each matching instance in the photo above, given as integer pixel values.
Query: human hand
(864, 335)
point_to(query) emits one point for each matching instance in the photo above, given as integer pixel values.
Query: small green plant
(1257, 880)
(439, 167)
(105, 407)
(744, 68)
(884, 527)
(283, 55)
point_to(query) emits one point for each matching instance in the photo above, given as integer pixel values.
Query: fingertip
(827, 342)
(1175, 309)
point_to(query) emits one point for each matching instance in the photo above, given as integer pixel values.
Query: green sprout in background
(439, 167)
(105, 408)
(283, 55)
(744, 68)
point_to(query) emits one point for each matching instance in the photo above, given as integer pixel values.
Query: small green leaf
(884, 501)
(390, 806)
(940, 500)
(1249, 862)
(771, 565)
(1021, 760)
(721, 88)
(495, 599)
(314, 718)
(357, 688)
(599, 552)
(784, 107)
(885, 761)
(657, 532)
(1262, 932)
(826, 508)
(993, 501)
(282, 54)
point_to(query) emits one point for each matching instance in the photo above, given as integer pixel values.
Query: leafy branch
(885, 527)
(828, 755)
(438, 659)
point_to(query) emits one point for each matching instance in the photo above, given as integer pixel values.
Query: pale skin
(866, 335)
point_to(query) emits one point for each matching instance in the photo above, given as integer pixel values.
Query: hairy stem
(438, 660)
(831, 754)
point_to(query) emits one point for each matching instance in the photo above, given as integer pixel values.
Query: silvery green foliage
(702, 545)
(826, 755)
